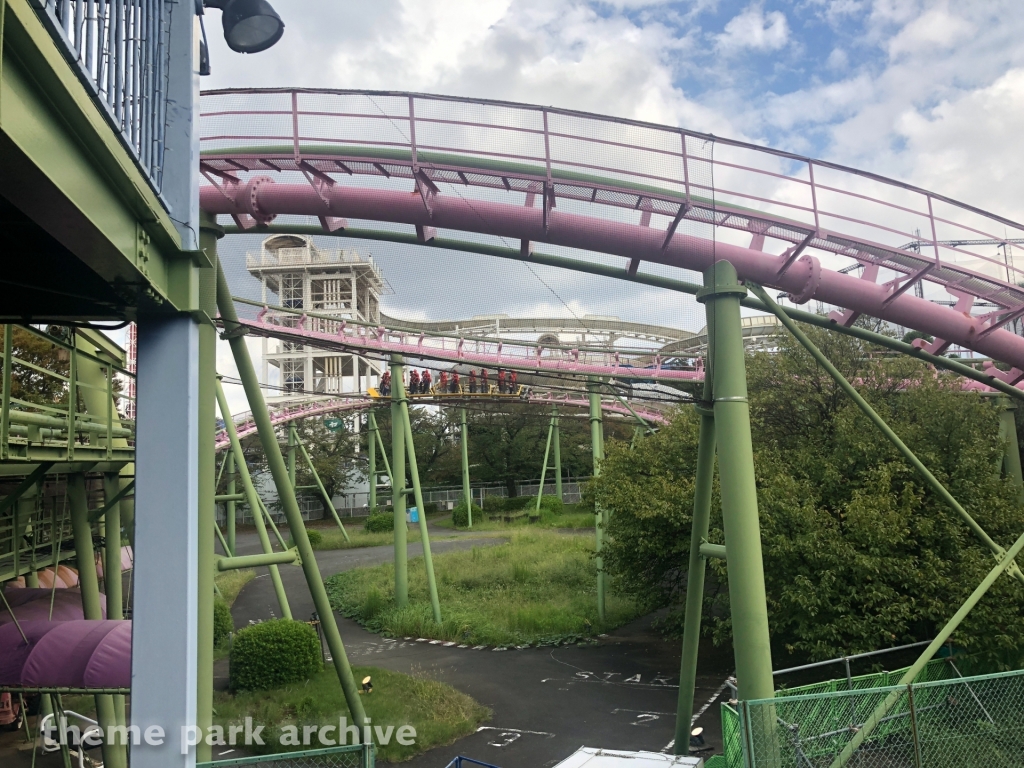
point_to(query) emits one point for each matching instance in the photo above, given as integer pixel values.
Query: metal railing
(353, 756)
(119, 50)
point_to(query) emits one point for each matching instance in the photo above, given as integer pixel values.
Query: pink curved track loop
(461, 164)
(322, 408)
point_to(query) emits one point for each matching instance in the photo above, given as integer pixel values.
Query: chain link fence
(353, 756)
(940, 721)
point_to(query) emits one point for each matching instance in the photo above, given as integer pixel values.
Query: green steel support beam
(597, 451)
(255, 561)
(467, 492)
(1011, 455)
(398, 488)
(273, 526)
(933, 482)
(5, 405)
(223, 542)
(291, 455)
(428, 560)
(621, 273)
(320, 485)
(558, 459)
(229, 497)
(383, 450)
(112, 500)
(703, 483)
(112, 563)
(371, 452)
(535, 515)
(113, 755)
(279, 471)
(253, 499)
(747, 596)
(25, 485)
(1006, 561)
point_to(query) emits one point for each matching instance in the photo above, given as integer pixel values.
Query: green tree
(333, 454)
(858, 553)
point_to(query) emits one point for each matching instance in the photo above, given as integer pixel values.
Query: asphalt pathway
(619, 693)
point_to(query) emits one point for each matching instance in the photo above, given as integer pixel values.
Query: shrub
(379, 522)
(430, 508)
(552, 504)
(508, 503)
(223, 624)
(461, 519)
(315, 538)
(273, 654)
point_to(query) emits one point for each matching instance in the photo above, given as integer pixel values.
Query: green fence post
(253, 500)
(230, 509)
(747, 595)
(557, 445)
(261, 416)
(89, 585)
(535, 515)
(597, 451)
(467, 493)
(398, 489)
(428, 561)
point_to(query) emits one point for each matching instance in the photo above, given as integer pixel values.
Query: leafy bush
(274, 653)
(507, 503)
(315, 538)
(379, 522)
(461, 519)
(223, 624)
(430, 508)
(552, 504)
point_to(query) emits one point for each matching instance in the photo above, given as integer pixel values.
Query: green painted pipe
(231, 513)
(597, 452)
(255, 503)
(91, 609)
(256, 561)
(1005, 562)
(232, 497)
(291, 455)
(428, 561)
(398, 489)
(207, 518)
(703, 484)
(707, 550)
(320, 486)
(879, 422)
(383, 450)
(261, 416)
(273, 526)
(544, 467)
(467, 491)
(371, 452)
(747, 595)
(558, 460)
(223, 542)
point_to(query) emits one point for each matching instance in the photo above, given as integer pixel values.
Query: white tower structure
(340, 283)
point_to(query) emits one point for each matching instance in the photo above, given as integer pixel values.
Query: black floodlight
(367, 685)
(250, 26)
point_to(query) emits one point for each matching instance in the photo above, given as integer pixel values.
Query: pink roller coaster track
(535, 174)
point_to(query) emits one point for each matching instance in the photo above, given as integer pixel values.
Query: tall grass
(439, 713)
(332, 538)
(230, 583)
(571, 518)
(539, 587)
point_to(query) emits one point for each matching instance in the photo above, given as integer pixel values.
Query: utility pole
(597, 451)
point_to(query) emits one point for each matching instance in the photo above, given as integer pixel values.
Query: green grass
(230, 583)
(439, 713)
(571, 518)
(333, 538)
(538, 587)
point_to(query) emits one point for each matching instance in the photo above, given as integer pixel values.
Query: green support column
(291, 455)
(253, 500)
(557, 445)
(428, 561)
(279, 471)
(695, 572)
(207, 520)
(371, 452)
(535, 515)
(88, 583)
(1011, 456)
(112, 566)
(380, 446)
(747, 597)
(230, 510)
(467, 493)
(320, 485)
(398, 489)
(597, 450)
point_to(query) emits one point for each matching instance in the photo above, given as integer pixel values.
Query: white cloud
(754, 29)
(930, 33)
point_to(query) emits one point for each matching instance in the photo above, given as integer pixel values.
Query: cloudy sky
(927, 92)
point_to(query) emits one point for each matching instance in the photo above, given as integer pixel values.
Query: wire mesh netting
(958, 722)
(352, 756)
